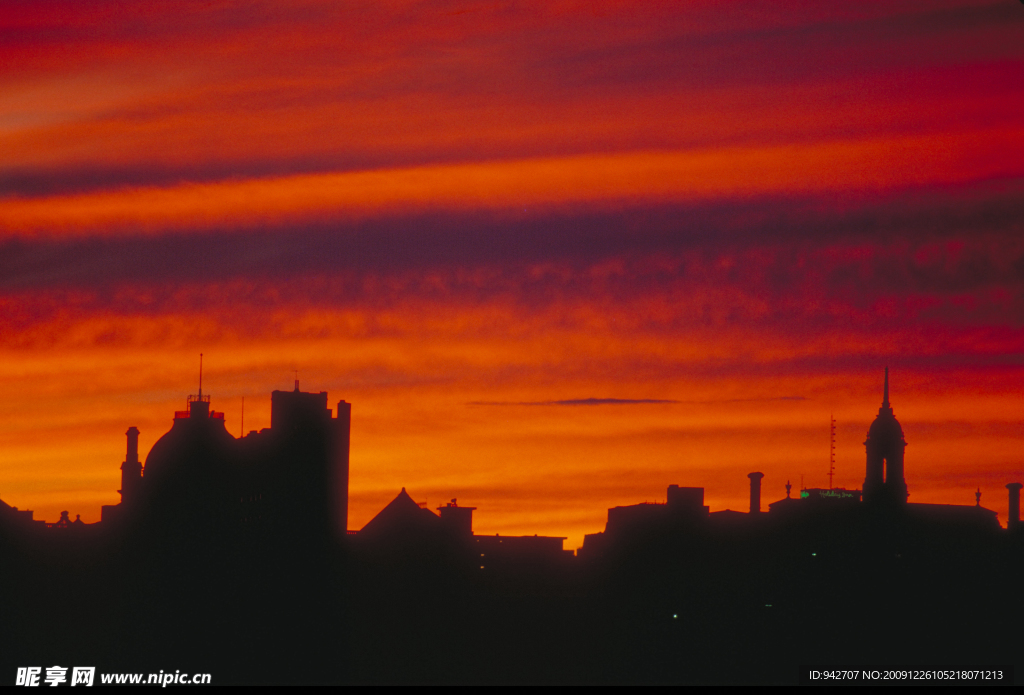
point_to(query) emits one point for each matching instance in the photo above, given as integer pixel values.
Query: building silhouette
(232, 556)
(884, 500)
(885, 488)
(288, 481)
(405, 529)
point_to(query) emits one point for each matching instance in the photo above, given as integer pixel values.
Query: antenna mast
(241, 430)
(200, 376)
(831, 450)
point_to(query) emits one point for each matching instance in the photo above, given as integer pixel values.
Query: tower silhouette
(131, 469)
(883, 481)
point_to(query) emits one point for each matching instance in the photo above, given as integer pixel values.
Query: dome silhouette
(189, 476)
(885, 427)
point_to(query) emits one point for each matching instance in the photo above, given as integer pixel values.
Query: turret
(131, 469)
(884, 481)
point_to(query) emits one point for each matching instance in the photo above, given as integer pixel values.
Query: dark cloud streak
(788, 229)
(638, 401)
(580, 401)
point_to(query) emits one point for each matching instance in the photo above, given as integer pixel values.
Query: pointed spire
(885, 393)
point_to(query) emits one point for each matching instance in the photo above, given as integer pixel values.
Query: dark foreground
(744, 605)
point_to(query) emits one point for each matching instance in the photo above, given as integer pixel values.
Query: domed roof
(189, 439)
(190, 480)
(885, 426)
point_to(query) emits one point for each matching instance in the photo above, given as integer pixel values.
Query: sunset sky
(558, 255)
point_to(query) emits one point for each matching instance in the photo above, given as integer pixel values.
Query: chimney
(755, 492)
(132, 454)
(1013, 519)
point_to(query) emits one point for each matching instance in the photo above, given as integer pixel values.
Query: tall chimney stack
(1013, 520)
(755, 492)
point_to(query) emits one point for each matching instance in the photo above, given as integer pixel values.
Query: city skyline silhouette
(879, 481)
(725, 491)
(248, 540)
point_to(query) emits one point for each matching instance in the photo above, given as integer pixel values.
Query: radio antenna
(831, 450)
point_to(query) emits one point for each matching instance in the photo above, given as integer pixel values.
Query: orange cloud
(604, 178)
